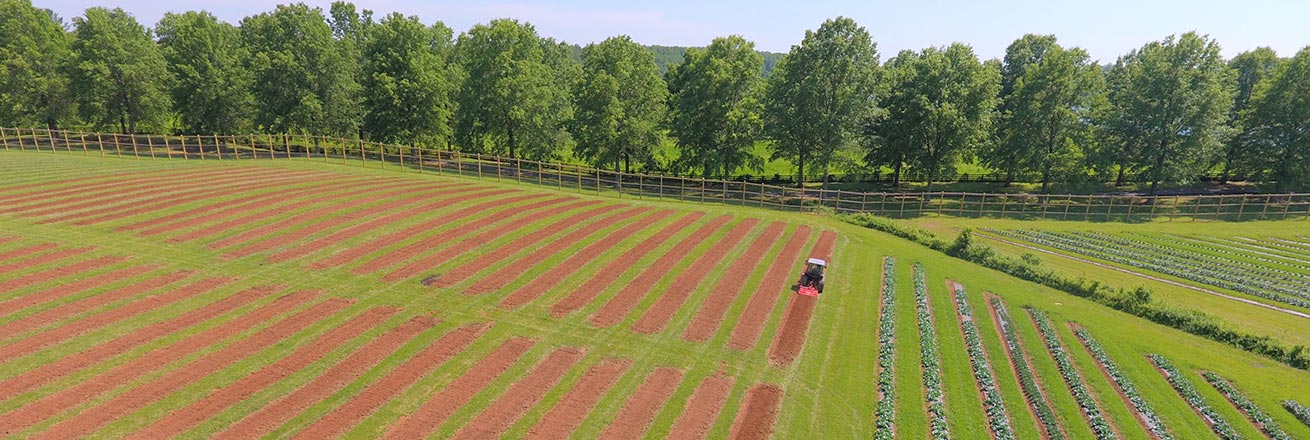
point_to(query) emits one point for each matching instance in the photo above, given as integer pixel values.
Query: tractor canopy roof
(817, 262)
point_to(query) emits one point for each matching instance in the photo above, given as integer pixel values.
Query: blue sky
(1106, 28)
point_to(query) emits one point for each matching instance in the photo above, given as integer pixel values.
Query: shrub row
(1257, 416)
(1026, 378)
(1153, 422)
(1198, 403)
(982, 372)
(886, 411)
(1095, 418)
(1302, 413)
(931, 362)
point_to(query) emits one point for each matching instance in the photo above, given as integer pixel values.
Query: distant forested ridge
(666, 56)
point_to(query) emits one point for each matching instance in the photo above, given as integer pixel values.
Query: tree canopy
(121, 77)
(212, 87)
(1278, 120)
(716, 106)
(408, 82)
(619, 102)
(35, 53)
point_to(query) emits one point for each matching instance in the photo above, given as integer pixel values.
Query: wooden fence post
(18, 133)
(68, 145)
(81, 135)
(150, 143)
(101, 142)
(118, 147)
(4, 139)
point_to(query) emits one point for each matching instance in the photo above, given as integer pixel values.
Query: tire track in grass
(140, 210)
(434, 412)
(64, 399)
(68, 310)
(709, 317)
(82, 195)
(75, 207)
(171, 197)
(632, 293)
(379, 243)
(596, 283)
(339, 420)
(642, 406)
(124, 404)
(517, 268)
(51, 274)
(26, 251)
(164, 222)
(790, 339)
(182, 419)
(703, 408)
(45, 258)
(341, 374)
(262, 213)
(655, 318)
(758, 413)
(522, 396)
(567, 414)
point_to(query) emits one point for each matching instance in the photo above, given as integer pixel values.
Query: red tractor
(811, 282)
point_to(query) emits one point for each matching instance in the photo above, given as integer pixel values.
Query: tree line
(1170, 110)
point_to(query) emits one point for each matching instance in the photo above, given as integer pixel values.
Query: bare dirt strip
(341, 374)
(550, 279)
(44, 258)
(67, 207)
(1015, 358)
(77, 185)
(79, 195)
(790, 339)
(709, 316)
(632, 293)
(52, 404)
(139, 210)
(642, 406)
(201, 210)
(80, 360)
(658, 315)
(70, 309)
(180, 420)
(1137, 414)
(27, 251)
(567, 414)
(276, 198)
(758, 413)
(47, 275)
(64, 290)
(341, 419)
(753, 319)
(522, 396)
(124, 404)
(456, 241)
(379, 243)
(518, 267)
(698, 417)
(439, 406)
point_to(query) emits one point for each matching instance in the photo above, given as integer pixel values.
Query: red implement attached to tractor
(811, 282)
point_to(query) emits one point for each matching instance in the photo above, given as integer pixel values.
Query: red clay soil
(795, 324)
(382, 242)
(658, 315)
(456, 241)
(141, 210)
(48, 200)
(428, 417)
(183, 419)
(550, 279)
(758, 412)
(752, 321)
(199, 211)
(69, 309)
(698, 417)
(80, 360)
(567, 414)
(124, 404)
(47, 275)
(264, 200)
(78, 185)
(23, 252)
(642, 406)
(522, 396)
(43, 259)
(1014, 358)
(622, 303)
(1141, 420)
(62, 400)
(167, 198)
(518, 267)
(67, 207)
(709, 315)
(339, 420)
(275, 413)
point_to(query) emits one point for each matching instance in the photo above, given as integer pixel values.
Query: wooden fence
(1123, 208)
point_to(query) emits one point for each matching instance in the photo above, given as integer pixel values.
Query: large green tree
(619, 102)
(939, 108)
(515, 97)
(716, 106)
(1251, 68)
(35, 54)
(121, 77)
(408, 85)
(1170, 102)
(1278, 123)
(303, 82)
(820, 92)
(211, 92)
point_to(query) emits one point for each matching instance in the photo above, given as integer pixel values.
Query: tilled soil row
(26, 251)
(518, 267)
(642, 406)
(83, 359)
(441, 405)
(709, 317)
(522, 396)
(550, 279)
(654, 319)
(79, 184)
(139, 210)
(48, 275)
(55, 198)
(758, 413)
(66, 310)
(96, 212)
(789, 341)
(567, 414)
(275, 413)
(252, 204)
(44, 258)
(753, 319)
(74, 206)
(621, 304)
(201, 210)
(703, 409)
(379, 243)
(341, 419)
(124, 404)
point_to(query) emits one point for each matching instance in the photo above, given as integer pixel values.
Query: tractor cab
(811, 282)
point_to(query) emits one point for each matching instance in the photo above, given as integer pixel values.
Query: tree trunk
(1046, 176)
(1228, 168)
(896, 174)
(1119, 181)
(1009, 178)
(510, 134)
(800, 170)
(122, 124)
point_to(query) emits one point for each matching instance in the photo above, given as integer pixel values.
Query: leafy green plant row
(1151, 248)
(1153, 422)
(997, 417)
(1302, 413)
(1086, 402)
(931, 362)
(1189, 394)
(1026, 378)
(1253, 412)
(886, 409)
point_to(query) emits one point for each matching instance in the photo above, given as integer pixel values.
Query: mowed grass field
(288, 298)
